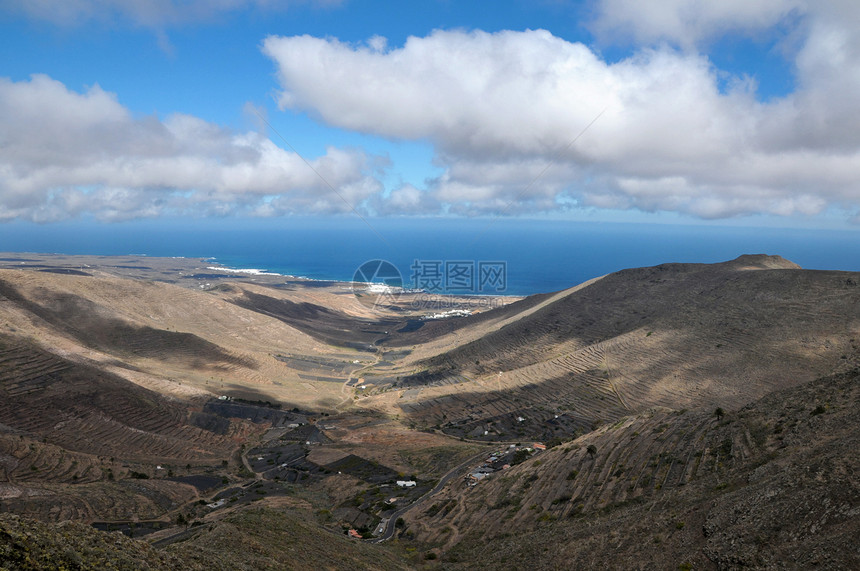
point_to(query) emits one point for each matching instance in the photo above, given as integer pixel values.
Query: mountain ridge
(674, 334)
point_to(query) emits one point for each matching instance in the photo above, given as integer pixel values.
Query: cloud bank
(146, 13)
(505, 112)
(65, 154)
(689, 23)
(500, 107)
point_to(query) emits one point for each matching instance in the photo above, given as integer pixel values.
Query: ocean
(535, 256)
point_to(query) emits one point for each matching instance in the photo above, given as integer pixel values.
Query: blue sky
(706, 113)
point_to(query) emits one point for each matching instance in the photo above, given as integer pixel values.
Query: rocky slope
(674, 335)
(251, 540)
(770, 486)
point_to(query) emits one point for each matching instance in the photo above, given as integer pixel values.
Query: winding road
(454, 472)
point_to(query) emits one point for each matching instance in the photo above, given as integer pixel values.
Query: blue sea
(537, 255)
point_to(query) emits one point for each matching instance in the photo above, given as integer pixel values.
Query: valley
(179, 403)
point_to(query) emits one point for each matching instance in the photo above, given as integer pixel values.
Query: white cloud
(67, 153)
(147, 13)
(499, 108)
(688, 22)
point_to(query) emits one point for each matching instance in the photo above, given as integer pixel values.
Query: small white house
(406, 483)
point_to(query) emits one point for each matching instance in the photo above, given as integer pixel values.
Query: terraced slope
(83, 409)
(175, 340)
(279, 539)
(92, 325)
(125, 500)
(636, 459)
(27, 544)
(675, 335)
(70, 435)
(254, 539)
(24, 460)
(771, 485)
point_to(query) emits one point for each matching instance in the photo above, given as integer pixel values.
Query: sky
(671, 111)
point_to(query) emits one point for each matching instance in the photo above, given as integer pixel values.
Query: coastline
(206, 273)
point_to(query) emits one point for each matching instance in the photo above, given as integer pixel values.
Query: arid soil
(770, 486)
(680, 405)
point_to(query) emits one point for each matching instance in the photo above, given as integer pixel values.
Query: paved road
(453, 473)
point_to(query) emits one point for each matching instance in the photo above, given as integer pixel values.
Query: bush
(520, 456)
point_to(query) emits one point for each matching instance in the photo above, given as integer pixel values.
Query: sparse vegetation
(520, 456)
(646, 460)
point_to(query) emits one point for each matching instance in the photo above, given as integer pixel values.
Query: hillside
(674, 335)
(172, 339)
(772, 483)
(70, 433)
(214, 415)
(256, 539)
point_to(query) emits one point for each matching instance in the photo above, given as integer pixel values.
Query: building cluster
(502, 460)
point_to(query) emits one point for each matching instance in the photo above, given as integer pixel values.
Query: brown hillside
(770, 484)
(172, 339)
(255, 539)
(83, 409)
(675, 335)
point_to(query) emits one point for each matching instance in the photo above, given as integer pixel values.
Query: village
(281, 460)
(502, 460)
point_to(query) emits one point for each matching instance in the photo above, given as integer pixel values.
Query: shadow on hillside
(89, 324)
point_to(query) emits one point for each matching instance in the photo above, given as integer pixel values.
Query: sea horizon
(536, 256)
